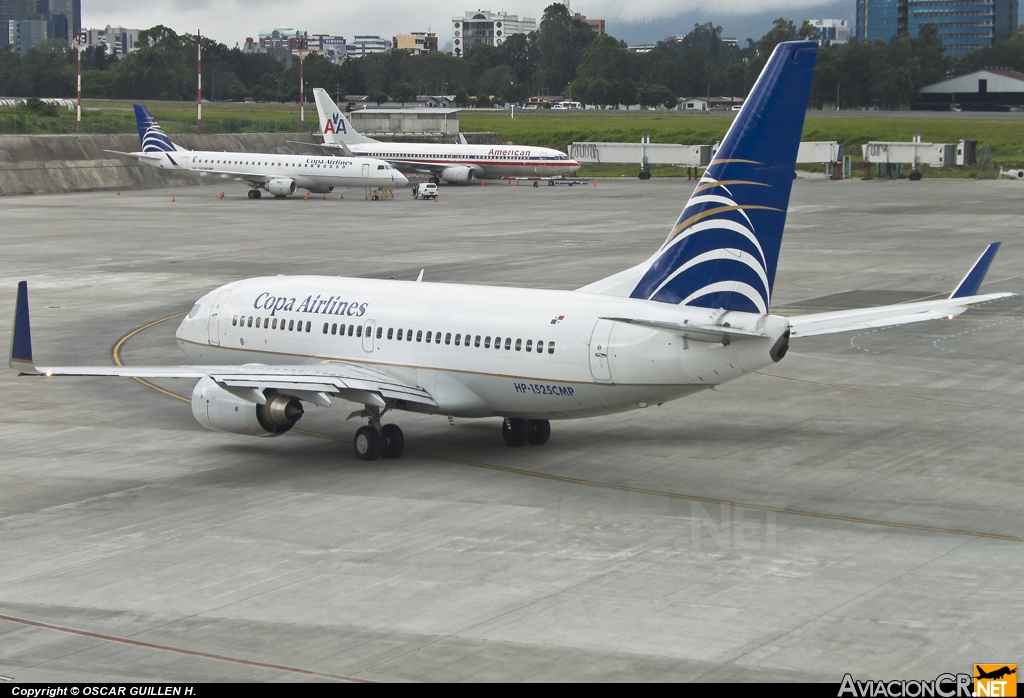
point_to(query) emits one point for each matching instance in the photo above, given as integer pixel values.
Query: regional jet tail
(695, 315)
(452, 163)
(280, 175)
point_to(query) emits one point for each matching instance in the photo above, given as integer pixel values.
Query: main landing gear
(435, 180)
(254, 193)
(518, 432)
(375, 440)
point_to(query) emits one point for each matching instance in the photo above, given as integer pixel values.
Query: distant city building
(363, 46)
(119, 41)
(62, 20)
(416, 43)
(882, 19)
(281, 37)
(832, 32)
(992, 89)
(333, 48)
(484, 27)
(23, 34)
(596, 24)
(964, 25)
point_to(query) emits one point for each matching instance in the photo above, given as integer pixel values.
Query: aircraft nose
(402, 179)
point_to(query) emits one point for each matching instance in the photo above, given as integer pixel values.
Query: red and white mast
(199, 86)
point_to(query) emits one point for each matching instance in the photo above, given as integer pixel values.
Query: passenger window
(437, 338)
(508, 343)
(391, 332)
(359, 331)
(529, 345)
(234, 321)
(351, 329)
(457, 338)
(309, 325)
(497, 342)
(540, 347)
(325, 328)
(476, 342)
(250, 322)
(273, 325)
(519, 345)
(408, 336)
(419, 335)
(334, 328)
(487, 342)
(448, 338)
(551, 347)
(291, 325)
(400, 335)
(428, 336)
(380, 331)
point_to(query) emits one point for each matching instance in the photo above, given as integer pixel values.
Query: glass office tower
(964, 25)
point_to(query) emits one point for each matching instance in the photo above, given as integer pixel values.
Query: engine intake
(217, 409)
(458, 174)
(281, 186)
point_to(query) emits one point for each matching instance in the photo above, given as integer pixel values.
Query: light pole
(199, 82)
(80, 46)
(302, 46)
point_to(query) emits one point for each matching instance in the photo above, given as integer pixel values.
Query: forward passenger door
(369, 327)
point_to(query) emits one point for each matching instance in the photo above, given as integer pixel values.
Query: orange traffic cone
(481, 182)
(119, 192)
(595, 182)
(305, 197)
(325, 197)
(342, 196)
(517, 182)
(172, 199)
(222, 195)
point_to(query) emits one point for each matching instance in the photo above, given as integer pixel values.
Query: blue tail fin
(971, 284)
(21, 339)
(150, 134)
(724, 249)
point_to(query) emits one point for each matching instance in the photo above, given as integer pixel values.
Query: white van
(425, 190)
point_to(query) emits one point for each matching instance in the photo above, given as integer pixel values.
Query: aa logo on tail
(995, 680)
(335, 124)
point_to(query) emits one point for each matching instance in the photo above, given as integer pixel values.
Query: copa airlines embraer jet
(280, 175)
(452, 163)
(693, 316)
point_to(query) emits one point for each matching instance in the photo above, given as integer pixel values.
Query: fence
(23, 122)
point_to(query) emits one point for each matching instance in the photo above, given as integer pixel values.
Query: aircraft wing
(964, 296)
(345, 380)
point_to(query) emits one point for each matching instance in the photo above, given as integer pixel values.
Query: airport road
(151, 549)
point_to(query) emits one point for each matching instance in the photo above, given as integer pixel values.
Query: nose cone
(573, 166)
(400, 179)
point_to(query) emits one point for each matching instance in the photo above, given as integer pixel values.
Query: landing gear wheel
(254, 193)
(435, 180)
(538, 431)
(515, 431)
(915, 176)
(367, 443)
(392, 441)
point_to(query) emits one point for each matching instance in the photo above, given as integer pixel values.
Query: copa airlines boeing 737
(280, 175)
(693, 316)
(452, 163)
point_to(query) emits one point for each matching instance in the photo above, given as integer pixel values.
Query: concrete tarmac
(649, 546)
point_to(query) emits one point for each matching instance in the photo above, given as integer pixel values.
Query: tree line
(563, 57)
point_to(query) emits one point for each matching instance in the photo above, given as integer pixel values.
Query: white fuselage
(475, 348)
(316, 172)
(486, 161)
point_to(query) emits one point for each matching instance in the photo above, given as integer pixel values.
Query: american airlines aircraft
(280, 175)
(452, 163)
(695, 315)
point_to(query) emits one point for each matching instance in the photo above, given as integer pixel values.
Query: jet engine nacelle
(458, 174)
(281, 186)
(217, 409)
(320, 190)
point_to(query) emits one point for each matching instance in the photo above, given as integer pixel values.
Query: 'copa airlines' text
(334, 305)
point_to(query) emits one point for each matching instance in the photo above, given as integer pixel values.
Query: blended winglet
(971, 284)
(21, 338)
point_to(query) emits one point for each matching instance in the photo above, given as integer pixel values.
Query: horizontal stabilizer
(136, 156)
(698, 333)
(885, 316)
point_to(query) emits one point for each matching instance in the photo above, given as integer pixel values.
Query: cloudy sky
(231, 21)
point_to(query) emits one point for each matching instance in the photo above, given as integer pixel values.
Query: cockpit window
(194, 311)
